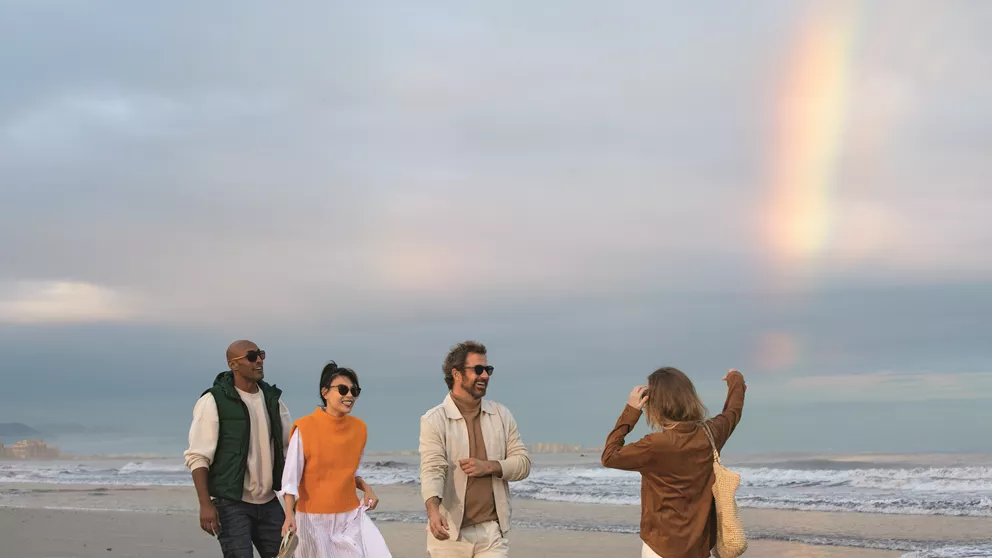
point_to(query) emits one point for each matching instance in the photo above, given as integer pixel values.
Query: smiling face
(338, 403)
(472, 379)
(246, 360)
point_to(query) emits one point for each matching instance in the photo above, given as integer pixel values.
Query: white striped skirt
(339, 535)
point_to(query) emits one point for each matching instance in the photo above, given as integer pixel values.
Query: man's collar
(453, 412)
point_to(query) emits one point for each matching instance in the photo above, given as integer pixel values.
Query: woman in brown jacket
(678, 517)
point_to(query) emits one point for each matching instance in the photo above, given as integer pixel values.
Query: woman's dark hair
(331, 371)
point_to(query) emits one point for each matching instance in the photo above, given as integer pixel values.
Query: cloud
(461, 157)
(61, 302)
(891, 386)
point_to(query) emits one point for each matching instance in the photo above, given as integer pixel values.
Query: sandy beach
(33, 533)
(63, 521)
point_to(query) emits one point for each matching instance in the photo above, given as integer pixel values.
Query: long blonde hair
(672, 398)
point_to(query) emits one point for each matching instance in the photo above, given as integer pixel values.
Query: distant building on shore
(542, 447)
(29, 449)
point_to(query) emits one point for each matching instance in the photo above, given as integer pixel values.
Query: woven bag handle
(709, 436)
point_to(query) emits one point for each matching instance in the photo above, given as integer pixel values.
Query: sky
(798, 190)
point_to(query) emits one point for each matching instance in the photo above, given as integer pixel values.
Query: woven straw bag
(731, 541)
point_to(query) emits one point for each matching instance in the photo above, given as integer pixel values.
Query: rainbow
(812, 110)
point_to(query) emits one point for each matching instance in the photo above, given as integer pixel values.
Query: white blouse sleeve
(292, 472)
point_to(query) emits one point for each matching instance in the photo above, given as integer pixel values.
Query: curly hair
(456, 359)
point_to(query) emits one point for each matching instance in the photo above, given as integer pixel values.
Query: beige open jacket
(444, 442)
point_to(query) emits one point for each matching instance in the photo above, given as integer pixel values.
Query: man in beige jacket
(470, 449)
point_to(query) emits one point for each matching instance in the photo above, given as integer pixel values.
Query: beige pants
(484, 540)
(646, 552)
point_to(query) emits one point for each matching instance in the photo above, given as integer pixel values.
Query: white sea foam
(944, 479)
(917, 491)
(888, 490)
(150, 467)
(954, 551)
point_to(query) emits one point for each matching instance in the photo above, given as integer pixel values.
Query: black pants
(243, 525)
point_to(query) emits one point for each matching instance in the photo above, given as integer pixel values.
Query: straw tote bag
(730, 539)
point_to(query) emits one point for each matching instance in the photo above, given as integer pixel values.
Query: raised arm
(723, 425)
(634, 456)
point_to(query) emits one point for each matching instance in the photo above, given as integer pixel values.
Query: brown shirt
(480, 502)
(678, 515)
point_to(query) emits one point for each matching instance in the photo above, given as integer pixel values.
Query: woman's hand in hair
(638, 397)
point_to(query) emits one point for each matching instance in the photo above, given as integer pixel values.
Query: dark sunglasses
(479, 369)
(252, 356)
(343, 390)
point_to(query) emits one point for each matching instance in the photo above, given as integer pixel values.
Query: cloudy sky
(796, 189)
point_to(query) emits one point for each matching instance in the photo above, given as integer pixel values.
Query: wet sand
(62, 521)
(33, 533)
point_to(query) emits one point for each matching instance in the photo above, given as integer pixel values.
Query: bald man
(237, 448)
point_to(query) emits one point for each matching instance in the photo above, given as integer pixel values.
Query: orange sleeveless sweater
(332, 449)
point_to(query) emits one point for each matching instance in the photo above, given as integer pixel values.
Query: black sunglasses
(479, 369)
(252, 355)
(343, 390)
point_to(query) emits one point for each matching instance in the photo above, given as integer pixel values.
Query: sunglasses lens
(343, 390)
(479, 369)
(252, 356)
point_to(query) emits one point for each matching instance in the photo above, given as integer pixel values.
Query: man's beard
(474, 390)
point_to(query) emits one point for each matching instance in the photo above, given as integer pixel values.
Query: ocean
(927, 485)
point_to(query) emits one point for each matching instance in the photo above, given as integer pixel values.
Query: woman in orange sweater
(320, 480)
(678, 514)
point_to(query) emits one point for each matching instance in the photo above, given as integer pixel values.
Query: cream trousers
(484, 540)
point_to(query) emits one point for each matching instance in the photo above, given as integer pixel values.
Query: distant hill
(17, 429)
(62, 429)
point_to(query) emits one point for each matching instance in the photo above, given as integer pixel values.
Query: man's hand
(476, 468)
(209, 521)
(638, 397)
(435, 521)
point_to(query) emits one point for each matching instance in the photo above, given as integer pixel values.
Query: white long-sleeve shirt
(350, 534)
(205, 429)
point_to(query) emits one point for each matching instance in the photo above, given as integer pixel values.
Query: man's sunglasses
(479, 369)
(343, 390)
(252, 356)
